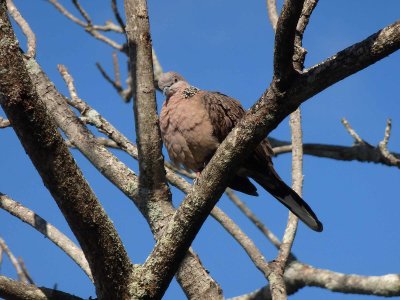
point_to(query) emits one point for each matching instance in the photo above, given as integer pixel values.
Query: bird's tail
(281, 191)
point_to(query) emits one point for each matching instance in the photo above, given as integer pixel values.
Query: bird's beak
(165, 90)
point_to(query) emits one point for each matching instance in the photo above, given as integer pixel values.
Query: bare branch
(248, 213)
(14, 261)
(52, 233)
(82, 11)
(284, 42)
(152, 181)
(15, 290)
(386, 285)
(349, 61)
(358, 152)
(383, 146)
(308, 8)
(272, 13)
(126, 95)
(25, 270)
(99, 140)
(66, 13)
(157, 68)
(254, 253)
(26, 29)
(117, 14)
(91, 29)
(277, 286)
(299, 275)
(117, 73)
(352, 132)
(4, 123)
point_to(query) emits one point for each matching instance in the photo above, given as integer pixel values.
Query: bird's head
(171, 82)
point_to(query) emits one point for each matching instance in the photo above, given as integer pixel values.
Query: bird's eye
(176, 80)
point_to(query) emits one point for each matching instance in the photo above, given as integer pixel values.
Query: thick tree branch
(96, 234)
(16, 290)
(152, 181)
(348, 61)
(263, 117)
(53, 234)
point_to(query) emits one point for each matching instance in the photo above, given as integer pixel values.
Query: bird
(194, 122)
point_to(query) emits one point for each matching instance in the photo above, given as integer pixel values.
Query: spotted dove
(194, 122)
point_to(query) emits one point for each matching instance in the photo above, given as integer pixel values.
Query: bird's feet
(195, 180)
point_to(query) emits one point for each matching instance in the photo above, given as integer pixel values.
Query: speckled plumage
(194, 122)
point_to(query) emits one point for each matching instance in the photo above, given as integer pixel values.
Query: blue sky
(227, 46)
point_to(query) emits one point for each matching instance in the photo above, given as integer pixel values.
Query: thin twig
(117, 73)
(1, 256)
(70, 84)
(4, 123)
(157, 68)
(66, 13)
(25, 270)
(383, 145)
(91, 29)
(272, 13)
(248, 245)
(82, 11)
(26, 29)
(249, 214)
(352, 132)
(14, 261)
(117, 15)
(100, 140)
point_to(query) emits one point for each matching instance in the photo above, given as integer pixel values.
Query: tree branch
(52, 233)
(272, 13)
(299, 275)
(26, 29)
(16, 290)
(89, 27)
(152, 181)
(349, 61)
(96, 234)
(21, 275)
(4, 123)
(284, 43)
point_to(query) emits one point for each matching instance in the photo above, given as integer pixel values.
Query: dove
(194, 122)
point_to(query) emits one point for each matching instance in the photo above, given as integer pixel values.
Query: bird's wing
(225, 112)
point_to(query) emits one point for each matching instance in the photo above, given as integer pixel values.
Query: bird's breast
(187, 132)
